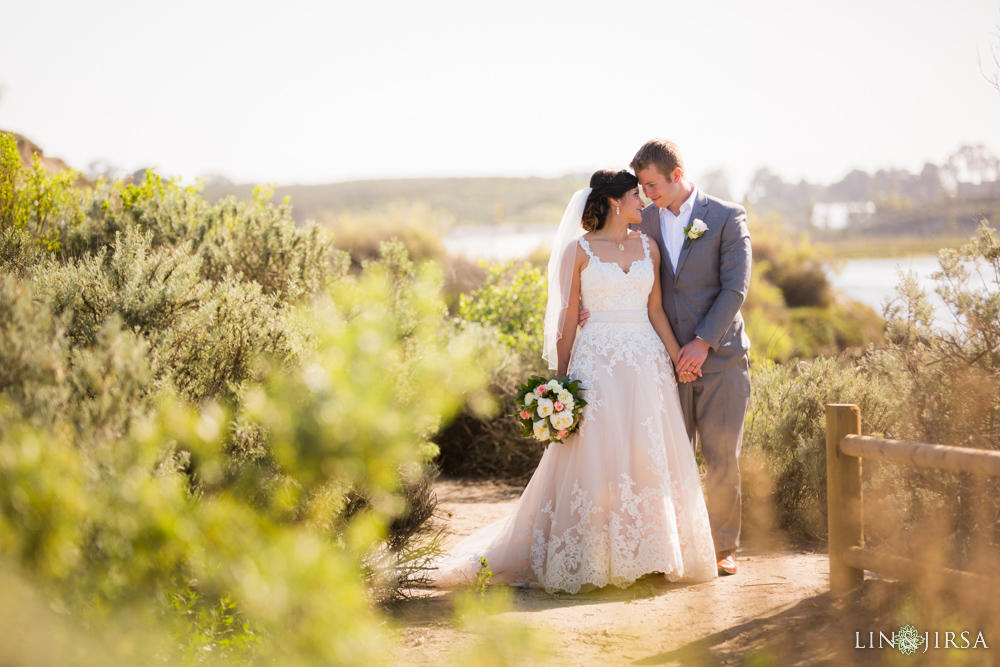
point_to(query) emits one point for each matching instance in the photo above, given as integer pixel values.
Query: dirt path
(653, 622)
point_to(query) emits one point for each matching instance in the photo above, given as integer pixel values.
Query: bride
(621, 497)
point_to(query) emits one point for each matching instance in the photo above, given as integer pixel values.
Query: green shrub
(827, 331)
(793, 265)
(785, 432)
(515, 308)
(34, 201)
(946, 379)
(35, 209)
(262, 243)
(33, 355)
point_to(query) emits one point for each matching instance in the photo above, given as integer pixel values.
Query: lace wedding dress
(621, 497)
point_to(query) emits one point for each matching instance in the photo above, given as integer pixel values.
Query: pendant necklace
(621, 246)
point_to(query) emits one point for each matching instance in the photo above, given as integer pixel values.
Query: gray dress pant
(715, 407)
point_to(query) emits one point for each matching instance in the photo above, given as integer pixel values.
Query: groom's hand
(692, 356)
(584, 315)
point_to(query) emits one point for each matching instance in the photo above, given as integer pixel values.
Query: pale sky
(312, 92)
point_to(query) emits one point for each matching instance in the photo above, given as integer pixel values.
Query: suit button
(676, 290)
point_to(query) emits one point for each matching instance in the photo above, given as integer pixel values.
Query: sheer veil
(561, 263)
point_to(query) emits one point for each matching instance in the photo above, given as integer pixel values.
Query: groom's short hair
(659, 153)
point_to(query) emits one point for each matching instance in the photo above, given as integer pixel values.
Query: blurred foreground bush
(213, 440)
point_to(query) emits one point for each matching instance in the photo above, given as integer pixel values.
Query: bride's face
(631, 206)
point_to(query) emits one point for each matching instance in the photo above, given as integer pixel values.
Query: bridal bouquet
(549, 410)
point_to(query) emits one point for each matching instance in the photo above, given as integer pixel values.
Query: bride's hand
(686, 376)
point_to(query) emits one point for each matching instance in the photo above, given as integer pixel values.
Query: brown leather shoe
(726, 562)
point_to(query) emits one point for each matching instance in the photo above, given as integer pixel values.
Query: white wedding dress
(621, 497)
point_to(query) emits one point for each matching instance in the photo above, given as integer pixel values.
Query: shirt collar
(688, 203)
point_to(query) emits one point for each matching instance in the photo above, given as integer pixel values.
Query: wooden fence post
(843, 493)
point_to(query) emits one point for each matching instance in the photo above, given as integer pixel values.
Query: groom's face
(661, 190)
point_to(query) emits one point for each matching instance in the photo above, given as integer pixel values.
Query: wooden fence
(845, 447)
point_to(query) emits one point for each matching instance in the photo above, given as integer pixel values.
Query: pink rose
(558, 406)
(541, 389)
(563, 433)
(525, 414)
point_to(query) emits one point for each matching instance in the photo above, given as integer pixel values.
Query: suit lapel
(698, 212)
(653, 230)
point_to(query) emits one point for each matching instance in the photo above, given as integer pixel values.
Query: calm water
(872, 281)
(869, 281)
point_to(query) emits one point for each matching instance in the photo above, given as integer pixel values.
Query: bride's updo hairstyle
(607, 185)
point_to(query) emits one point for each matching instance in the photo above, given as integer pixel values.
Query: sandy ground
(653, 622)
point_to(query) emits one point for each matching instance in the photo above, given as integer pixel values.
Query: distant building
(837, 215)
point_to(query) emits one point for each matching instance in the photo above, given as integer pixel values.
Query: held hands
(683, 376)
(691, 357)
(686, 376)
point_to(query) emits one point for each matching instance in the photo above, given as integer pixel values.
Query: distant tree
(762, 185)
(973, 164)
(791, 201)
(856, 186)
(716, 183)
(890, 184)
(931, 189)
(102, 169)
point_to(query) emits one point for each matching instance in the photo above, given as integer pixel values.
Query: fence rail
(845, 447)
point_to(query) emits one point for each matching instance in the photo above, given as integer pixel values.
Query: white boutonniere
(694, 231)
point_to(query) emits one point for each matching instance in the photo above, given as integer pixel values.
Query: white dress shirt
(672, 227)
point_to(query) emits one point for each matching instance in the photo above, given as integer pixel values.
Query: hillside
(471, 201)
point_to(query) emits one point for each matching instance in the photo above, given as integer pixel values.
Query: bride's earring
(618, 210)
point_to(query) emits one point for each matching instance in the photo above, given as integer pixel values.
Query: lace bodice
(604, 286)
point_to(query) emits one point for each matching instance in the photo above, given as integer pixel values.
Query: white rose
(544, 407)
(561, 420)
(541, 430)
(698, 227)
(529, 398)
(566, 399)
(553, 385)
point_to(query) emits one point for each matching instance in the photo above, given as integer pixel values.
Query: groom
(704, 275)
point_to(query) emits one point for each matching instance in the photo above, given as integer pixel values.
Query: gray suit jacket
(713, 274)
